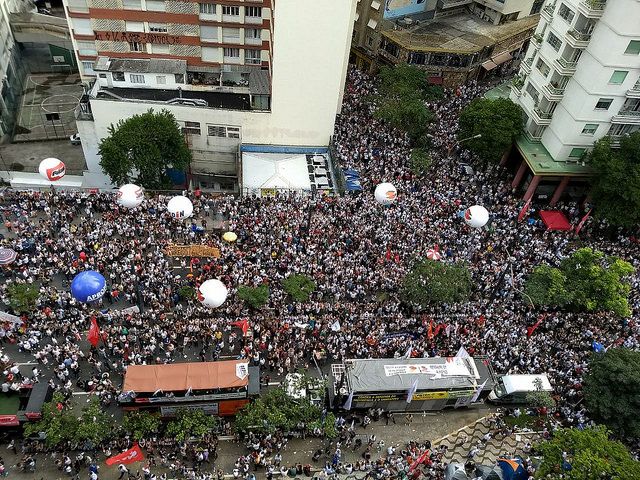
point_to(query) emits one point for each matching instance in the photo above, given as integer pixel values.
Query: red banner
(94, 332)
(243, 325)
(582, 222)
(134, 454)
(524, 210)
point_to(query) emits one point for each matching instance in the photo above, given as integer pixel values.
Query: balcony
(627, 116)
(578, 39)
(591, 8)
(547, 12)
(540, 117)
(553, 93)
(634, 92)
(537, 39)
(526, 65)
(565, 67)
(531, 138)
(516, 84)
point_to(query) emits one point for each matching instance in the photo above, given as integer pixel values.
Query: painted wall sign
(157, 38)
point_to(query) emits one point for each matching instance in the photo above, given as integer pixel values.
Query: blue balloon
(88, 286)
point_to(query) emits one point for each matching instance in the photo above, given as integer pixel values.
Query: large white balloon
(180, 207)
(476, 216)
(212, 293)
(130, 195)
(52, 169)
(386, 193)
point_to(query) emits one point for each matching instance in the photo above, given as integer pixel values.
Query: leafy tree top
(612, 390)
(499, 121)
(431, 281)
(141, 148)
(590, 454)
(190, 423)
(300, 287)
(616, 180)
(23, 296)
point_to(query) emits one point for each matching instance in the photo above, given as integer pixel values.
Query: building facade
(579, 81)
(233, 72)
(453, 40)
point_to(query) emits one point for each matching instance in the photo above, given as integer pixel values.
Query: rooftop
(231, 101)
(462, 33)
(153, 65)
(542, 163)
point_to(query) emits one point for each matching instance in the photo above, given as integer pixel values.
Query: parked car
(75, 139)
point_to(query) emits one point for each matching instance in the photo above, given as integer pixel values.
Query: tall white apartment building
(579, 82)
(265, 76)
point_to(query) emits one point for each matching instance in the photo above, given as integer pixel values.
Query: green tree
(585, 281)
(499, 122)
(420, 161)
(590, 453)
(255, 297)
(187, 292)
(190, 423)
(141, 148)
(141, 424)
(616, 180)
(22, 297)
(540, 398)
(275, 410)
(59, 425)
(431, 281)
(401, 101)
(612, 390)
(95, 424)
(299, 287)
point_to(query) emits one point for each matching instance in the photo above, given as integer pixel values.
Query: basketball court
(47, 107)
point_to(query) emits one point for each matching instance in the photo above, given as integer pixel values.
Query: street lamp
(460, 141)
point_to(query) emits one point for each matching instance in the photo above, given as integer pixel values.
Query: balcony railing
(547, 12)
(537, 38)
(526, 64)
(566, 63)
(578, 39)
(634, 92)
(543, 115)
(591, 8)
(630, 113)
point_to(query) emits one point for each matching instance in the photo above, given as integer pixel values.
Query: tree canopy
(141, 148)
(299, 287)
(431, 281)
(403, 90)
(616, 180)
(254, 297)
(612, 390)
(587, 281)
(141, 424)
(499, 121)
(22, 296)
(590, 454)
(190, 423)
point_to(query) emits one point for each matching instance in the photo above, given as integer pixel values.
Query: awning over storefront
(555, 220)
(501, 58)
(489, 65)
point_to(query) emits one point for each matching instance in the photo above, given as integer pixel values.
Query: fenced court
(47, 107)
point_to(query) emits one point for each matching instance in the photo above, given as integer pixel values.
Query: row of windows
(221, 131)
(211, 8)
(633, 48)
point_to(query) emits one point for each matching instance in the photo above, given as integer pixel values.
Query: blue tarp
(512, 469)
(352, 180)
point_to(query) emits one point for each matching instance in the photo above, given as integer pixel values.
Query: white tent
(275, 171)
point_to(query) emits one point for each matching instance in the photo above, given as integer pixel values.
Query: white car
(75, 139)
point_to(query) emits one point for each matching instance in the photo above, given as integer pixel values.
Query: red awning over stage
(555, 220)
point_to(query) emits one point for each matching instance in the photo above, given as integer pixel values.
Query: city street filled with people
(355, 250)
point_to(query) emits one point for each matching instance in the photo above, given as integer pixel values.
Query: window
(577, 152)
(252, 33)
(179, 77)
(531, 90)
(208, 8)
(134, 26)
(417, 58)
(157, 48)
(536, 7)
(136, 78)
(155, 5)
(161, 80)
(554, 41)
(131, 4)
(252, 57)
(251, 12)
(117, 76)
(232, 52)
(103, 75)
(233, 132)
(208, 33)
(231, 35)
(87, 66)
(192, 128)
(589, 128)
(158, 27)
(223, 132)
(633, 48)
(604, 103)
(136, 47)
(566, 13)
(618, 76)
(369, 40)
(227, 10)
(542, 67)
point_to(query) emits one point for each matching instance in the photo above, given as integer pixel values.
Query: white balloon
(476, 216)
(213, 293)
(130, 195)
(386, 193)
(180, 207)
(52, 169)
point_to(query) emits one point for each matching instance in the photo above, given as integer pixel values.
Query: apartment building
(454, 41)
(235, 73)
(580, 81)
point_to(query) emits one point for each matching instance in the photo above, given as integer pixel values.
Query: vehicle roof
(523, 383)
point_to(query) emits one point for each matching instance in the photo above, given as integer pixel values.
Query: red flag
(424, 458)
(243, 324)
(94, 332)
(582, 222)
(532, 329)
(440, 326)
(430, 330)
(134, 454)
(388, 254)
(524, 210)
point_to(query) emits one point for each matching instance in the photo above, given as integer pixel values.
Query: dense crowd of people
(356, 251)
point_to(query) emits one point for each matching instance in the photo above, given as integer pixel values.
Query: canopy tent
(555, 220)
(455, 471)
(182, 376)
(512, 469)
(275, 171)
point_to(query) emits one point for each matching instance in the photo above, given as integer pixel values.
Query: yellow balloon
(230, 237)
